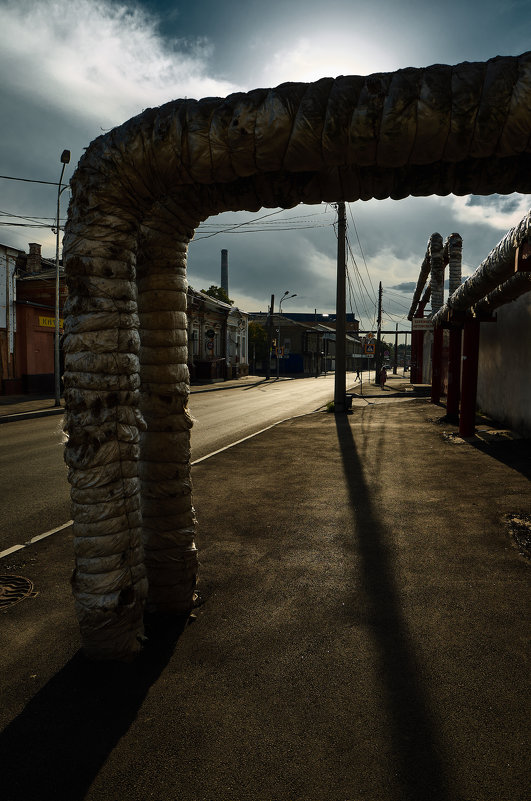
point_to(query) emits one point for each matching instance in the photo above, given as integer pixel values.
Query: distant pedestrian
(383, 377)
(357, 375)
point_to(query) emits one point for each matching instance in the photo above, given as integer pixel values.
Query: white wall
(504, 373)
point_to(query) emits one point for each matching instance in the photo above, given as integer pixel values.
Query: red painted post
(413, 358)
(454, 373)
(436, 364)
(467, 418)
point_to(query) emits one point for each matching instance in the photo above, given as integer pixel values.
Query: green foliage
(258, 341)
(218, 293)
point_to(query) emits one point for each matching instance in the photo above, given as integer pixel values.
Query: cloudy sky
(74, 68)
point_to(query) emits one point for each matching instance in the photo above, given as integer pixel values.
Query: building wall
(217, 338)
(35, 355)
(504, 374)
(35, 349)
(8, 324)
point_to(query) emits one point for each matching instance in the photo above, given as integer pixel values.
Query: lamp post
(65, 159)
(278, 329)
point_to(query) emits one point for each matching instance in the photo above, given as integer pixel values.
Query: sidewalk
(362, 635)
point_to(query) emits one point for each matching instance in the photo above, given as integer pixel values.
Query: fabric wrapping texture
(453, 248)
(138, 194)
(170, 556)
(497, 268)
(421, 282)
(511, 289)
(436, 271)
(101, 345)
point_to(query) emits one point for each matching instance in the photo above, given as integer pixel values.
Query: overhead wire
(32, 180)
(361, 286)
(360, 247)
(225, 228)
(263, 230)
(352, 295)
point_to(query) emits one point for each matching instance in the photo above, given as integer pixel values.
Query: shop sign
(49, 322)
(421, 324)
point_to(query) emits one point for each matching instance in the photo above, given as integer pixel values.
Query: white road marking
(15, 548)
(255, 434)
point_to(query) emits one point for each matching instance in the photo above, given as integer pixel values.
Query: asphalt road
(35, 492)
(222, 418)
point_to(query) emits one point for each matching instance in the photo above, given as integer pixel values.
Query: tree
(258, 341)
(218, 293)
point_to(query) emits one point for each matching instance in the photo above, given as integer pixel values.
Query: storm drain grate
(14, 589)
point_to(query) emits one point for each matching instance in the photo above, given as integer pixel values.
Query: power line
(265, 230)
(361, 283)
(224, 228)
(32, 180)
(31, 217)
(258, 219)
(27, 225)
(238, 225)
(361, 249)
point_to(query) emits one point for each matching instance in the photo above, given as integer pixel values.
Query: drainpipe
(453, 250)
(437, 300)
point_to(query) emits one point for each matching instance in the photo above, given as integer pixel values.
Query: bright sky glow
(74, 68)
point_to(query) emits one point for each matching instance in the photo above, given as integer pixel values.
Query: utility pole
(395, 360)
(340, 378)
(270, 337)
(317, 345)
(65, 159)
(379, 336)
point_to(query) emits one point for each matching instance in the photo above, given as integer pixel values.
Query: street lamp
(65, 159)
(278, 330)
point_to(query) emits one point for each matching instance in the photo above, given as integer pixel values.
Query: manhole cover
(14, 589)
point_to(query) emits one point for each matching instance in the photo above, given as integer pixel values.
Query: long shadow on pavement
(55, 748)
(418, 753)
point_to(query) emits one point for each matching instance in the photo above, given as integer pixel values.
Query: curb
(11, 418)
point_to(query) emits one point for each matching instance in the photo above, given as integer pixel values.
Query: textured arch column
(168, 518)
(387, 135)
(454, 247)
(437, 300)
(103, 423)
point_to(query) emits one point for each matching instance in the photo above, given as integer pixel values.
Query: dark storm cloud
(502, 203)
(73, 69)
(405, 286)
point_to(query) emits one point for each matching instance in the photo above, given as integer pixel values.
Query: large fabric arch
(138, 194)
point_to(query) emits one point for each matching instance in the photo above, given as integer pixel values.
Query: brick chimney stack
(225, 270)
(33, 261)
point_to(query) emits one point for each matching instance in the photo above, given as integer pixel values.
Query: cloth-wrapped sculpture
(137, 196)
